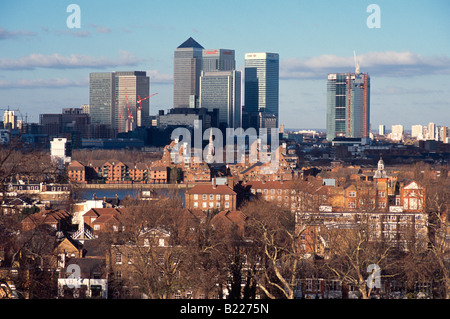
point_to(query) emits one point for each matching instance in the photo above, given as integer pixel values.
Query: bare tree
(353, 251)
(274, 233)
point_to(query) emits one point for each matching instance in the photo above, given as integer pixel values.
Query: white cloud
(160, 78)
(388, 63)
(6, 34)
(43, 83)
(73, 61)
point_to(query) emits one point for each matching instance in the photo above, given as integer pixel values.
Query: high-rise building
(417, 131)
(222, 90)
(101, 98)
(348, 105)
(186, 74)
(262, 84)
(10, 119)
(130, 113)
(114, 99)
(397, 132)
(218, 60)
(381, 129)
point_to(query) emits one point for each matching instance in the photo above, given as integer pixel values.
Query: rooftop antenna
(356, 63)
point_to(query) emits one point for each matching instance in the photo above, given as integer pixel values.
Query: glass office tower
(186, 74)
(101, 98)
(222, 90)
(218, 60)
(108, 95)
(348, 105)
(262, 84)
(129, 113)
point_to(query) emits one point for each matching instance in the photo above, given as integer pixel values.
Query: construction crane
(130, 113)
(139, 108)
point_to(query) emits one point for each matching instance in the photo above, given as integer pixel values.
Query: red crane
(140, 100)
(139, 108)
(130, 113)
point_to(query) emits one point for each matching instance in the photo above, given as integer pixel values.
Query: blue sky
(44, 65)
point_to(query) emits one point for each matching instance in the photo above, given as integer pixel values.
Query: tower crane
(139, 108)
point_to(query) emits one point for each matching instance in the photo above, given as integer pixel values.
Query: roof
(210, 189)
(190, 43)
(47, 216)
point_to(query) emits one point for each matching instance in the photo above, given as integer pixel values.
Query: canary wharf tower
(186, 75)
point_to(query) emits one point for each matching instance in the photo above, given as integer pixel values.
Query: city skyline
(45, 65)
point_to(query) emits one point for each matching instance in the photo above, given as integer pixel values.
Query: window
(381, 194)
(96, 227)
(227, 205)
(204, 197)
(227, 197)
(118, 258)
(195, 196)
(195, 204)
(211, 197)
(351, 194)
(161, 242)
(351, 205)
(217, 197)
(204, 204)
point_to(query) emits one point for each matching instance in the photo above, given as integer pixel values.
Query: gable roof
(47, 216)
(210, 189)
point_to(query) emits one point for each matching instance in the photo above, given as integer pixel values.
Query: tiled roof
(210, 189)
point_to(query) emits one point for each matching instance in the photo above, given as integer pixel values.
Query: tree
(274, 234)
(153, 245)
(353, 254)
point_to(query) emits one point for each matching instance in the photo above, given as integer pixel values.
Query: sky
(403, 45)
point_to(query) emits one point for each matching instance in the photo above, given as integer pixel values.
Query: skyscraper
(101, 98)
(222, 90)
(218, 60)
(262, 84)
(186, 74)
(129, 87)
(348, 105)
(220, 86)
(113, 99)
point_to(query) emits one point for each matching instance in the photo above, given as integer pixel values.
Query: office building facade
(101, 98)
(222, 90)
(114, 100)
(131, 86)
(348, 105)
(186, 74)
(262, 84)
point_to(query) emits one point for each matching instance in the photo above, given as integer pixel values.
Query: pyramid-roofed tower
(190, 43)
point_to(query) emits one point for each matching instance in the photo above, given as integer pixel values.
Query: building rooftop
(190, 43)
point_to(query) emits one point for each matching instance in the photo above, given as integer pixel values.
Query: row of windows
(212, 205)
(353, 194)
(211, 197)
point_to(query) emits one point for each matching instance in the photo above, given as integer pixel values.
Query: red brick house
(105, 219)
(211, 197)
(57, 219)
